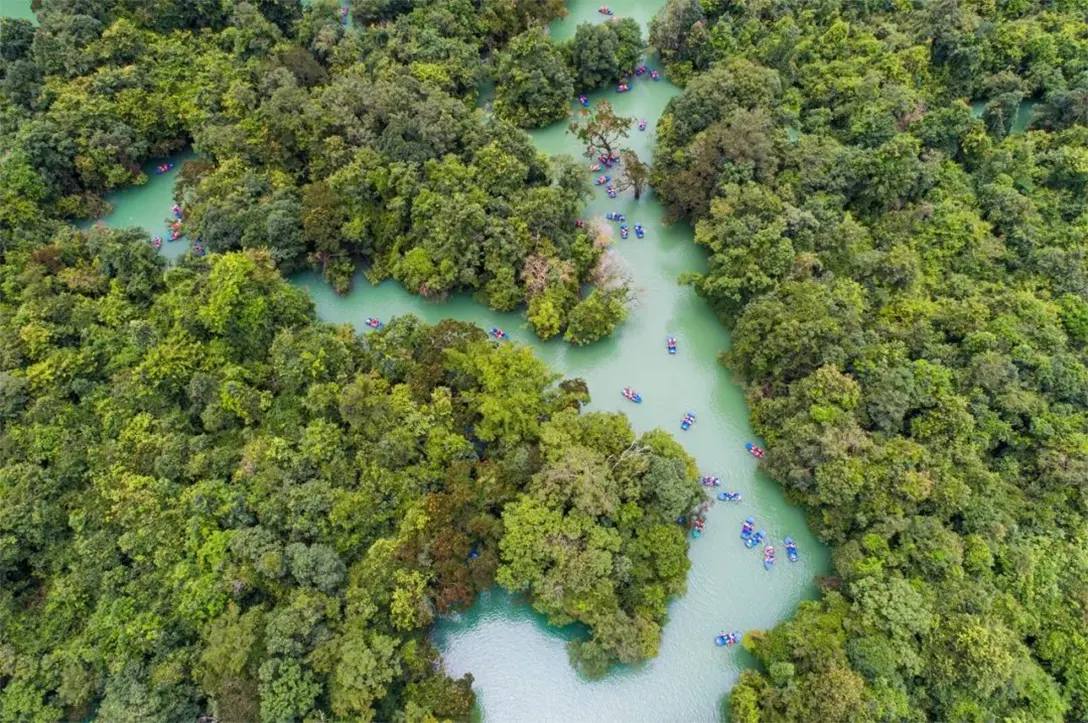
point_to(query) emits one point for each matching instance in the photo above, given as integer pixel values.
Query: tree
(671, 29)
(634, 173)
(532, 83)
(600, 129)
(602, 52)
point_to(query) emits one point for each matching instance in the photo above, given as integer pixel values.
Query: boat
(164, 168)
(623, 231)
(604, 10)
(175, 235)
(584, 101)
(579, 224)
(198, 249)
(709, 481)
(727, 638)
(373, 323)
(639, 231)
(157, 242)
(623, 88)
(696, 533)
(754, 450)
(594, 166)
(791, 549)
(631, 395)
(746, 530)
(496, 332)
(615, 216)
(729, 496)
(768, 557)
(642, 124)
(601, 180)
(755, 539)
(655, 75)
(688, 420)
(670, 342)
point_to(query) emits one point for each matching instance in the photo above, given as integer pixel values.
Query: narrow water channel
(520, 663)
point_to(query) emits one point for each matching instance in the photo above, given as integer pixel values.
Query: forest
(213, 504)
(906, 283)
(334, 148)
(209, 502)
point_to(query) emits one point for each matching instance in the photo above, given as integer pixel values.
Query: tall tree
(600, 129)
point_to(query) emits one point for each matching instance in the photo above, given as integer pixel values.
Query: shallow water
(520, 663)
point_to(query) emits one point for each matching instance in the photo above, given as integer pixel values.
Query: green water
(17, 9)
(519, 663)
(1024, 113)
(149, 206)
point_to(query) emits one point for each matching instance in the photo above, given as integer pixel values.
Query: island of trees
(907, 288)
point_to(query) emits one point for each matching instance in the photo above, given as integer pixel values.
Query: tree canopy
(334, 148)
(211, 503)
(907, 291)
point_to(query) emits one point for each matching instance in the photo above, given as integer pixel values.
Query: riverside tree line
(907, 289)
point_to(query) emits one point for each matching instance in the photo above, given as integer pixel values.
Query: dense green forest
(907, 288)
(210, 502)
(328, 146)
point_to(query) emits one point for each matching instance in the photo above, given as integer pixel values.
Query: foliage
(600, 129)
(601, 53)
(906, 287)
(210, 503)
(532, 83)
(332, 148)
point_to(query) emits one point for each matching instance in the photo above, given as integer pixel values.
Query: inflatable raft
(791, 549)
(754, 450)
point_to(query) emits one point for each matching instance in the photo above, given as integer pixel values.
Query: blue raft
(791, 549)
(687, 421)
(755, 539)
(746, 530)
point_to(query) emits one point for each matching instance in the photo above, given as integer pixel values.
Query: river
(520, 663)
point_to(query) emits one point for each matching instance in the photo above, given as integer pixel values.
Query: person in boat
(595, 166)
(604, 10)
(176, 210)
(611, 192)
(655, 75)
(157, 242)
(639, 230)
(198, 248)
(498, 333)
(709, 481)
(622, 88)
(583, 100)
(579, 224)
(642, 124)
(601, 180)
(174, 235)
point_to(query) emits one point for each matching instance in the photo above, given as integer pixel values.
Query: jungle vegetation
(907, 289)
(210, 503)
(333, 147)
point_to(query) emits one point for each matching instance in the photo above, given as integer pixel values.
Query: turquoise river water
(520, 663)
